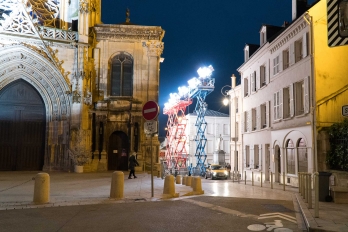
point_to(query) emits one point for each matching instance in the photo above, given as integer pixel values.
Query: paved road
(203, 213)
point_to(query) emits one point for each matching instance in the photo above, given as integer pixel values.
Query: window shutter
(249, 123)
(267, 68)
(306, 92)
(304, 45)
(280, 65)
(252, 76)
(280, 103)
(292, 54)
(291, 93)
(267, 114)
(258, 118)
(274, 106)
(260, 156)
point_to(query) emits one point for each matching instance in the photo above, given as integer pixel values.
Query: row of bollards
(193, 181)
(305, 189)
(42, 186)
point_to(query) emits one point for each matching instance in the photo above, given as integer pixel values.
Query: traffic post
(150, 112)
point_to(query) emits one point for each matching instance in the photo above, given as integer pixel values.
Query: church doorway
(22, 128)
(118, 152)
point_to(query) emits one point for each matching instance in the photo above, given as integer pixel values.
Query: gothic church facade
(72, 88)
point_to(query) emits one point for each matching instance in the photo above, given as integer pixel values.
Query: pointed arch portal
(22, 127)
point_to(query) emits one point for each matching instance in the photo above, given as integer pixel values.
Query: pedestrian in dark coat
(132, 163)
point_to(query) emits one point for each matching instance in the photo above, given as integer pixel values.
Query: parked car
(216, 171)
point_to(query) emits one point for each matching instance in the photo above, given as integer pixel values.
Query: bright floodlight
(194, 82)
(183, 91)
(205, 71)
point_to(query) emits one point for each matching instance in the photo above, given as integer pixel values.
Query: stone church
(72, 88)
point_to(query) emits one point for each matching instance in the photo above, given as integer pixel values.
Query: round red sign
(150, 110)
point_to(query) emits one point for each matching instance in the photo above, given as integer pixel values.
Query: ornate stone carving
(84, 7)
(154, 48)
(128, 32)
(42, 75)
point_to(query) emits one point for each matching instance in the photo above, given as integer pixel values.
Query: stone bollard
(117, 185)
(188, 181)
(178, 179)
(169, 187)
(184, 178)
(42, 188)
(197, 185)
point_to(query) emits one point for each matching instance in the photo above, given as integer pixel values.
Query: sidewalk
(66, 189)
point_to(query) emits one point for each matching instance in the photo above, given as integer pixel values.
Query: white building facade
(217, 135)
(276, 120)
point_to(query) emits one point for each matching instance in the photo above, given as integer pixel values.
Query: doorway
(22, 128)
(118, 151)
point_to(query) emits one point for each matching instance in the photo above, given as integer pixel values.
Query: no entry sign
(150, 110)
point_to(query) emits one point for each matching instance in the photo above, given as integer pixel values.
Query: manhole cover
(277, 208)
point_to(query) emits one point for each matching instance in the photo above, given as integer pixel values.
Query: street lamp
(227, 101)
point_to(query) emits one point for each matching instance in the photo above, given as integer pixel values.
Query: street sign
(150, 110)
(150, 127)
(345, 110)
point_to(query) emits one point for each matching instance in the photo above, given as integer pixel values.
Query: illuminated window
(302, 157)
(290, 157)
(122, 75)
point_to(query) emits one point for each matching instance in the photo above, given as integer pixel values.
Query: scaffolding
(176, 154)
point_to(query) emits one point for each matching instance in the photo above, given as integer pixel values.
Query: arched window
(121, 75)
(302, 159)
(290, 157)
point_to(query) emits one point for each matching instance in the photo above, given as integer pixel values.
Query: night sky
(200, 33)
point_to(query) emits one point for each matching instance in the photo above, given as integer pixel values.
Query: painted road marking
(280, 215)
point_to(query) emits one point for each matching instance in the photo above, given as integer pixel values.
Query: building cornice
(289, 33)
(128, 32)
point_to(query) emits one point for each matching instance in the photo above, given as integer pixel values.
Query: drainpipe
(309, 20)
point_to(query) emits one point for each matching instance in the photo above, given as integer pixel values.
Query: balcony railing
(58, 34)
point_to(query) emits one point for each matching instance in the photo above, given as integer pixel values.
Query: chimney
(233, 77)
(298, 8)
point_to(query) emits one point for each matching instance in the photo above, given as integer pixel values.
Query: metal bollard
(283, 181)
(188, 181)
(169, 186)
(245, 177)
(184, 178)
(252, 178)
(316, 193)
(261, 179)
(305, 190)
(238, 177)
(299, 181)
(271, 180)
(309, 186)
(41, 188)
(178, 179)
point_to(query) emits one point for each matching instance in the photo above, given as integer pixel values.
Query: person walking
(132, 163)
